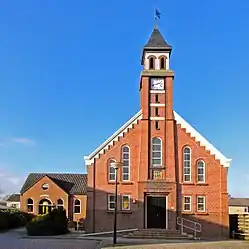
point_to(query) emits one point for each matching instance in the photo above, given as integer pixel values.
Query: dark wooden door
(156, 212)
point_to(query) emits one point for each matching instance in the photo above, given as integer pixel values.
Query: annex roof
(71, 183)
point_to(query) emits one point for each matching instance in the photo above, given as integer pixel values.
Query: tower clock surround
(157, 84)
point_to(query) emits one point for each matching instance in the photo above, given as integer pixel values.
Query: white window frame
(78, 205)
(122, 198)
(109, 172)
(190, 203)
(109, 202)
(60, 205)
(187, 161)
(204, 173)
(30, 205)
(129, 163)
(204, 203)
(161, 154)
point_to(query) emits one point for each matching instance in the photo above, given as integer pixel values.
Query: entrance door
(156, 212)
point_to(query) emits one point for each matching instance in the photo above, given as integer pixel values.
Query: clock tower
(156, 87)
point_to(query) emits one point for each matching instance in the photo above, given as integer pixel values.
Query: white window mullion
(201, 203)
(187, 164)
(156, 151)
(126, 163)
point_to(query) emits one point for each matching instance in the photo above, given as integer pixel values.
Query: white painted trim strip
(179, 120)
(119, 133)
(157, 118)
(109, 232)
(203, 141)
(157, 91)
(157, 104)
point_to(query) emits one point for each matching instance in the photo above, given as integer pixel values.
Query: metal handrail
(197, 226)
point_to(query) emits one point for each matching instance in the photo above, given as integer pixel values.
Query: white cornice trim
(119, 133)
(157, 118)
(224, 161)
(203, 141)
(157, 91)
(157, 104)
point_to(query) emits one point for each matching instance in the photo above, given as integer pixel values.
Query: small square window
(201, 205)
(111, 202)
(187, 203)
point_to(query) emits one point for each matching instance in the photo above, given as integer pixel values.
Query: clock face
(157, 84)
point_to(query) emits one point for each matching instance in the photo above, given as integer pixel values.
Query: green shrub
(10, 220)
(53, 223)
(4, 221)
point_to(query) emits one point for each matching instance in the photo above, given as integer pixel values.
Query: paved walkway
(15, 239)
(195, 245)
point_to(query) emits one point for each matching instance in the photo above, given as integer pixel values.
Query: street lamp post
(116, 166)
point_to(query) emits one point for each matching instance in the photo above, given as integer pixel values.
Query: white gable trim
(203, 141)
(179, 120)
(119, 133)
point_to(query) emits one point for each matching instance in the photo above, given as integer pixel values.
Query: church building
(169, 170)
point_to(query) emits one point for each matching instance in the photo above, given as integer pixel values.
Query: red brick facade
(164, 179)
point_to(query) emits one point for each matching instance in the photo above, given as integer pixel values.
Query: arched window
(126, 163)
(151, 63)
(186, 164)
(156, 151)
(77, 206)
(111, 173)
(45, 206)
(162, 63)
(200, 171)
(30, 205)
(60, 204)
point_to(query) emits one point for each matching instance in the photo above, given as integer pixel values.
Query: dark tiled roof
(14, 197)
(71, 183)
(157, 41)
(239, 202)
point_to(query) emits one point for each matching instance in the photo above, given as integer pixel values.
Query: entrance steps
(157, 234)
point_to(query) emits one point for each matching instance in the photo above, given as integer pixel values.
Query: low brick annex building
(41, 192)
(169, 169)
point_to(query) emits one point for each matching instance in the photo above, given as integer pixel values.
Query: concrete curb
(173, 244)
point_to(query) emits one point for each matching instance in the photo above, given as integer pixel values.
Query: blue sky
(69, 76)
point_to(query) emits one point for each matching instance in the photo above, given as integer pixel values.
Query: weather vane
(157, 17)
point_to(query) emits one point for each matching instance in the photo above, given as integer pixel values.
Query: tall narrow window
(201, 205)
(126, 163)
(77, 206)
(30, 205)
(157, 125)
(162, 63)
(187, 203)
(157, 98)
(60, 204)
(111, 173)
(187, 164)
(151, 63)
(156, 151)
(200, 171)
(125, 202)
(157, 111)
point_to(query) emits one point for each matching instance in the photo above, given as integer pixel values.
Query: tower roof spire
(156, 41)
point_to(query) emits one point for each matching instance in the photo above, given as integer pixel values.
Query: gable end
(224, 161)
(119, 133)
